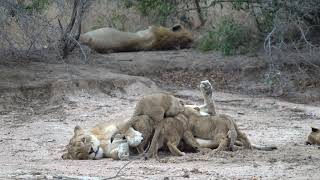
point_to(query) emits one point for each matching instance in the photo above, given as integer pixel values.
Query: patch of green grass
(229, 37)
(161, 9)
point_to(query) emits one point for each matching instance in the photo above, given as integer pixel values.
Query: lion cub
(220, 129)
(173, 130)
(157, 107)
(314, 137)
(214, 132)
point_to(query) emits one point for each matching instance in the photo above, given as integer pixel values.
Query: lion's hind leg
(153, 146)
(244, 140)
(173, 148)
(155, 138)
(190, 140)
(223, 143)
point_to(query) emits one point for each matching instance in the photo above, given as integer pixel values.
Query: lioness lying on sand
(97, 144)
(107, 40)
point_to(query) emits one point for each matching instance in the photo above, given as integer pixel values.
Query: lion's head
(176, 106)
(83, 146)
(176, 37)
(314, 137)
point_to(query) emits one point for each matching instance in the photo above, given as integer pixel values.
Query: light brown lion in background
(107, 40)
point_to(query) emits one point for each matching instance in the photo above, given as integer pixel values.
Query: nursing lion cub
(156, 107)
(314, 137)
(172, 131)
(106, 40)
(214, 131)
(102, 141)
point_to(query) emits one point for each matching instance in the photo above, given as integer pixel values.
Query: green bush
(33, 6)
(37, 6)
(161, 9)
(229, 37)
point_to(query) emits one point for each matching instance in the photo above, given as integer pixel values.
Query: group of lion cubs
(163, 121)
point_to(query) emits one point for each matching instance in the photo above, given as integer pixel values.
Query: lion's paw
(215, 152)
(135, 140)
(123, 151)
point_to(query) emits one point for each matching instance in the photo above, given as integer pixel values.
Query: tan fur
(208, 109)
(217, 130)
(173, 130)
(157, 107)
(166, 39)
(98, 140)
(145, 125)
(107, 40)
(314, 137)
(207, 93)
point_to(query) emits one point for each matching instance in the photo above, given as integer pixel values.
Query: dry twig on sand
(119, 171)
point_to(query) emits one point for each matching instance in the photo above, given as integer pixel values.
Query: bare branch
(267, 42)
(67, 43)
(61, 27)
(304, 37)
(84, 54)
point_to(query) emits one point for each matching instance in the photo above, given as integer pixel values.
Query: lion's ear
(313, 129)
(77, 129)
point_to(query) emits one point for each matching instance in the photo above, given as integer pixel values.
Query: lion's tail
(264, 148)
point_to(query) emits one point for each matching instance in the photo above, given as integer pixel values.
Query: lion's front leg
(154, 142)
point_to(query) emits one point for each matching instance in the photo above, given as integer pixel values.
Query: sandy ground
(36, 124)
